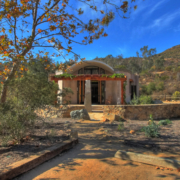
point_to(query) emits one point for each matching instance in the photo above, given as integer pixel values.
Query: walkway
(93, 158)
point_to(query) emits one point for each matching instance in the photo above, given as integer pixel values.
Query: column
(87, 101)
(118, 93)
(127, 90)
(122, 92)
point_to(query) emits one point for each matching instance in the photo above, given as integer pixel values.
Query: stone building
(102, 90)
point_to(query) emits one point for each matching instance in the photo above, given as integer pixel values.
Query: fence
(165, 97)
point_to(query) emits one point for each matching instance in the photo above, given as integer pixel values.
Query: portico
(100, 88)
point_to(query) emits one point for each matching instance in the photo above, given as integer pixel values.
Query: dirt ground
(93, 157)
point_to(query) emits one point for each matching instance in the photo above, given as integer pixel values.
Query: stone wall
(142, 112)
(57, 112)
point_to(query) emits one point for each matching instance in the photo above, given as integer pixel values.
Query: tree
(159, 62)
(147, 57)
(25, 23)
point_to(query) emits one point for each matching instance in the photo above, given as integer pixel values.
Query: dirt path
(93, 158)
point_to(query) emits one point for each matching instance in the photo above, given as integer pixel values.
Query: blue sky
(154, 23)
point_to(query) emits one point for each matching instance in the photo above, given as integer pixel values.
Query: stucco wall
(113, 88)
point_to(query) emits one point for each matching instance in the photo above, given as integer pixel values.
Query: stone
(80, 114)
(73, 135)
(87, 101)
(157, 101)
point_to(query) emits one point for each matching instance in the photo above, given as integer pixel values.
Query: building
(103, 90)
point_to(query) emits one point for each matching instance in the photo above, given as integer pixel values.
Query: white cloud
(155, 7)
(162, 23)
(121, 50)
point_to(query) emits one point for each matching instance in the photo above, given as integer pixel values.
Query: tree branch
(48, 10)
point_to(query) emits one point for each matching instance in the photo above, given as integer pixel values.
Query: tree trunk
(5, 86)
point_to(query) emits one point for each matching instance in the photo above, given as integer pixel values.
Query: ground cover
(103, 131)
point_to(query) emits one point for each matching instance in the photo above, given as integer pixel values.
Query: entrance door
(133, 91)
(94, 92)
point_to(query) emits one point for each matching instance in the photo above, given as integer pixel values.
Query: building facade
(102, 91)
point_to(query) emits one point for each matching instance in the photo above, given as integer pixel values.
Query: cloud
(155, 7)
(121, 50)
(162, 23)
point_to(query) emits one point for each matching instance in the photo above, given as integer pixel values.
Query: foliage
(176, 95)
(121, 75)
(27, 25)
(151, 130)
(135, 100)
(25, 95)
(146, 99)
(164, 78)
(143, 99)
(164, 122)
(168, 68)
(65, 75)
(145, 72)
(121, 126)
(159, 62)
(160, 86)
(120, 66)
(177, 69)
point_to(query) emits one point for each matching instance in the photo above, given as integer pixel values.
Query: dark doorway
(94, 92)
(133, 91)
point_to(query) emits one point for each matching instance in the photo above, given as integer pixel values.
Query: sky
(155, 23)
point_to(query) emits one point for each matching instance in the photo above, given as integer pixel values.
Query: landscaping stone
(80, 114)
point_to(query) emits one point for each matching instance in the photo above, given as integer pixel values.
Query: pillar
(122, 92)
(118, 93)
(87, 101)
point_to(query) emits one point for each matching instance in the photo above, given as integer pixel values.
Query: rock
(80, 114)
(73, 135)
(156, 101)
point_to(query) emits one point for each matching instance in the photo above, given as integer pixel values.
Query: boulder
(157, 101)
(80, 114)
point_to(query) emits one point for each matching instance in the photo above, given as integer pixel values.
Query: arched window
(91, 70)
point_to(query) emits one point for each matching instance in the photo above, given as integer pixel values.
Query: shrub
(160, 86)
(152, 129)
(121, 126)
(143, 99)
(146, 99)
(164, 122)
(135, 100)
(176, 95)
(168, 68)
(163, 78)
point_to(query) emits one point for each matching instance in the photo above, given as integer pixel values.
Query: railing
(165, 97)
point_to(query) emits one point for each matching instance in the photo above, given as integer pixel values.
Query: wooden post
(55, 102)
(83, 90)
(100, 92)
(80, 92)
(122, 98)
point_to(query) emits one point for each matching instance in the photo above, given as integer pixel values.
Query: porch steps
(96, 108)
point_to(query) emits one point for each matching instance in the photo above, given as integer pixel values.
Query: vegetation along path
(93, 158)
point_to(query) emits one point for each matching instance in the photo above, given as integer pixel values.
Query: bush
(146, 99)
(160, 86)
(176, 95)
(144, 72)
(168, 68)
(164, 122)
(163, 78)
(121, 126)
(143, 99)
(152, 129)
